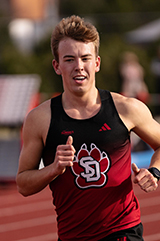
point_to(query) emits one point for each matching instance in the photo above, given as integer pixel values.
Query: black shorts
(132, 234)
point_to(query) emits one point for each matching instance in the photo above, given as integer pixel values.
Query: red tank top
(94, 198)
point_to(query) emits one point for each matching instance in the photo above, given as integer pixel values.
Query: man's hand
(64, 156)
(144, 179)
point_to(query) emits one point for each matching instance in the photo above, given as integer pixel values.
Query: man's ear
(98, 63)
(55, 65)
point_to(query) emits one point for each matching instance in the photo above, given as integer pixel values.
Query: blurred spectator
(132, 75)
(155, 67)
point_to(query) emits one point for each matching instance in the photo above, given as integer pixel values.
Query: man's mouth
(79, 78)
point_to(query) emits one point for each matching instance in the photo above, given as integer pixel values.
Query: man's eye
(86, 59)
(69, 60)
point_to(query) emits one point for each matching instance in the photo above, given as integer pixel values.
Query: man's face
(77, 65)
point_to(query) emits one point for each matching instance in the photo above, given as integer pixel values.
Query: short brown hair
(76, 28)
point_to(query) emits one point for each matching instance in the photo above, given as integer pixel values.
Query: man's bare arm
(30, 179)
(137, 117)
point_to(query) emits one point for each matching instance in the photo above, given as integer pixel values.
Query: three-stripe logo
(105, 127)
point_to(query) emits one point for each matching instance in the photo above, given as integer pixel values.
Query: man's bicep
(148, 129)
(32, 148)
(30, 156)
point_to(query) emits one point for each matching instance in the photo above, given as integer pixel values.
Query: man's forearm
(155, 161)
(32, 181)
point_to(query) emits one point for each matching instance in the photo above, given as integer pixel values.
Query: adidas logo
(105, 127)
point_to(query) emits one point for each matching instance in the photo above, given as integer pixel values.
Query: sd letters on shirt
(90, 167)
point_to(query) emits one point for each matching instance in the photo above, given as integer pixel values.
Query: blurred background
(130, 47)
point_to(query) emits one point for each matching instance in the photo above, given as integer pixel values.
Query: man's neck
(82, 107)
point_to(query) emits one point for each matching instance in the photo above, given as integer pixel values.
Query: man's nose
(79, 65)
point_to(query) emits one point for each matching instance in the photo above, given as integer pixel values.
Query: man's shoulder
(131, 110)
(125, 103)
(39, 113)
(43, 107)
(38, 120)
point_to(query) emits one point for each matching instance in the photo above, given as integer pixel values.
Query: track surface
(33, 218)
